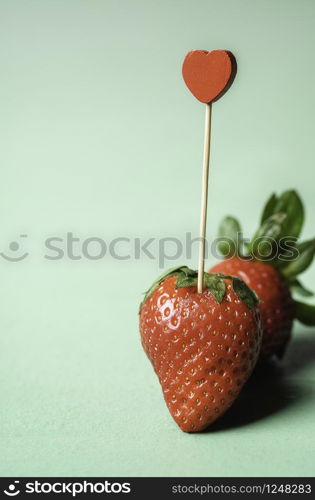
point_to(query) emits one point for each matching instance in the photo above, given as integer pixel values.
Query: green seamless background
(100, 137)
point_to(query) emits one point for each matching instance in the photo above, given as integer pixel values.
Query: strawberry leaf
(244, 293)
(213, 282)
(282, 217)
(183, 281)
(302, 262)
(170, 272)
(275, 241)
(216, 286)
(291, 204)
(229, 232)
(305, 313)
(297, 287)
(269, 208)
(264, 242)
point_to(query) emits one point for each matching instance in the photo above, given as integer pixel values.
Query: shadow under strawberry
(272, 387)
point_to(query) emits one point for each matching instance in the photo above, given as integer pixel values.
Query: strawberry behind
(202, 350)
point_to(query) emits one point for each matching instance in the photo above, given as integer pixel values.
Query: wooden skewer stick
(204, 197)
(208, 75)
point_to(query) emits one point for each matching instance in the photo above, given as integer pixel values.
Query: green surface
(99, 136)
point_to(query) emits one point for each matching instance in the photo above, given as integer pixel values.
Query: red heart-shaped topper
(208, 75)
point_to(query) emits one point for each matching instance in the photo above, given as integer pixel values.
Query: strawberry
(203, 346)
(270, 265)
(276, 307)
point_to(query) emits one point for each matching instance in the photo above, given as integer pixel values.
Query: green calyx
(213, 282)
(305, 313)
(276, 243)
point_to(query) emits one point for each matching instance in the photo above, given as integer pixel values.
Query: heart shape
(208, 75)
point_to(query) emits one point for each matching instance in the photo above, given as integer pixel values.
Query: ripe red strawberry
(270, 264)
(277, 306)
(203, 346)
